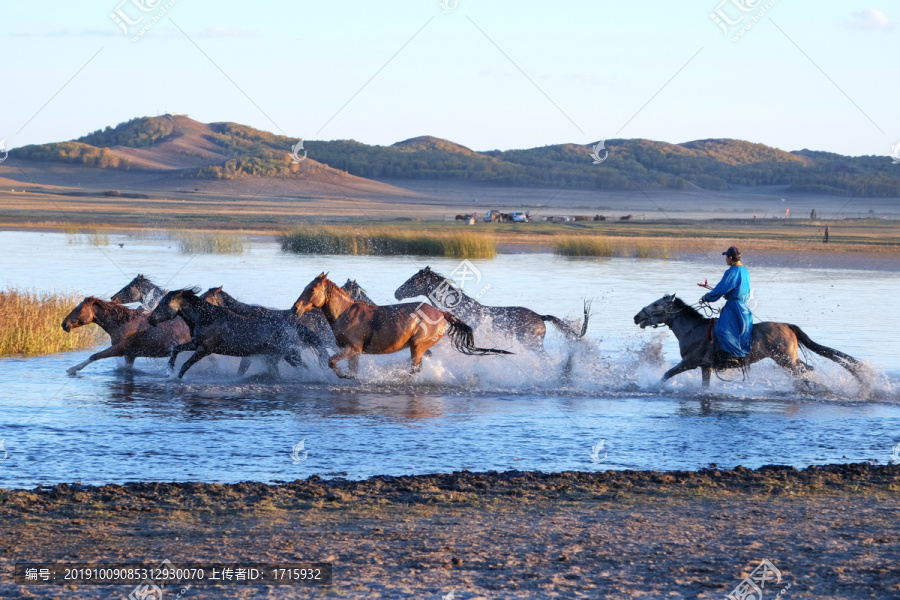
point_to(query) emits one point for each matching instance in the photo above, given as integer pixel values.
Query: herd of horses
(341, 323)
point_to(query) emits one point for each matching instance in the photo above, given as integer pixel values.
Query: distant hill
(229, 151)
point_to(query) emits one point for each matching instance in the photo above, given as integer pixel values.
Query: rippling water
(109, 424)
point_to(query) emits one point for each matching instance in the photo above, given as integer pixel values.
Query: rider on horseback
(734, 328)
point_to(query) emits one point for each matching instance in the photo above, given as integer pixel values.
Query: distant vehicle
(519, 217)
(491, 216)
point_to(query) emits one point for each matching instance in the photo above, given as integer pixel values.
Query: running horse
(217, 330)
(523, 324)
(129, 330)
(778, 341)
(363, 328)
(356, 292)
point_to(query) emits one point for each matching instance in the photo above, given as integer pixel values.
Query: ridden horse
(140, 289)
(362, 328)
(128, 329)
(521, 323)
(778, 341)
(356, 292)
(218, 330)
(307, 327)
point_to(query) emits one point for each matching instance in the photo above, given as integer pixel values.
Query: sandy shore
(831, 531)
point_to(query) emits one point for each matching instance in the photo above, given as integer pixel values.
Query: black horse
(217, 330)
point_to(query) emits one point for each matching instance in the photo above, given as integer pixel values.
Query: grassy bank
(386, 241)
(30, 324)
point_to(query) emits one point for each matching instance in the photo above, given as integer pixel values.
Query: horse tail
(565, 327)
(463, 338)
(845, 360)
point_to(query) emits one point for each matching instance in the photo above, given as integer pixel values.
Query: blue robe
(734, 329)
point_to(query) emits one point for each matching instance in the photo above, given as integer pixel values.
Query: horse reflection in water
(362, 328)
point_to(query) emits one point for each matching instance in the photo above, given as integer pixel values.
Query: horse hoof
(72, 371)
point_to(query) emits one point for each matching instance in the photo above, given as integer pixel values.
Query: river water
(110, 424)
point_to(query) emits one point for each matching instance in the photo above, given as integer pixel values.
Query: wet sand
(832, 532)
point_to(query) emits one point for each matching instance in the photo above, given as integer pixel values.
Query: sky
(495, 74)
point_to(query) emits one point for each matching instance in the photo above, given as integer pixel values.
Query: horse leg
(272, 363)
(108, 353)
(195, 357)
(191, 345)
(294, 359)
(129, 361)
(353, 364)
(416, 353)
(244, 366)
(679, 368)
(334, 360)
(797, 367)
(706, 372)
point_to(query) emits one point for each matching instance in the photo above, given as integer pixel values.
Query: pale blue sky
(589, 68)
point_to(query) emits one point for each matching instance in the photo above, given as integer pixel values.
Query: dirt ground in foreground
(832, 531)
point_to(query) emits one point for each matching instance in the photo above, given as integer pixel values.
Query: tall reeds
(592, 245)
(197, 242)
(31, 324)
(336, 239)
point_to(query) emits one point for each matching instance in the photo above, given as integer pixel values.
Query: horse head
(314, 295)
(131, 292)
(171, 305)
(656, 314)
(214, 296)
(419, 284)
(81, 315)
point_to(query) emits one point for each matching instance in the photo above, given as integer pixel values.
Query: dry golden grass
(31, 324)
(199, 242)
(593, 245)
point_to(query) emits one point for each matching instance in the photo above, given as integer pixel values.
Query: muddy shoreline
(831, 531)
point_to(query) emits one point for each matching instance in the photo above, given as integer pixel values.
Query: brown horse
(130, 333)
(778, 341)
(362, 328)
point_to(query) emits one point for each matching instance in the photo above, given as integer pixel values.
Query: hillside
(229, 152)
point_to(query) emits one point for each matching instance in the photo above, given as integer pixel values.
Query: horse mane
(683, 306)
(191, 291)
(331, 286)
(119, 311)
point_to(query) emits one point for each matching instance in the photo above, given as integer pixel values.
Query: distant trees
(136, 133)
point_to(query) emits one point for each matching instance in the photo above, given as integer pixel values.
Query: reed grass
(336, 239)
(196, 242)
(592, 245)
(95, 236)
(31, 324)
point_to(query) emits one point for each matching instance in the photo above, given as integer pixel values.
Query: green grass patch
(337, 239)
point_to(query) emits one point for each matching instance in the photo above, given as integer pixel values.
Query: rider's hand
(704, 298)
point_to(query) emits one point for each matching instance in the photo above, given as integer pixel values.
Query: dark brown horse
(362, 328)
(218, 330)
(778, 341)
(318, 340)
(518, 322)
(129, 331)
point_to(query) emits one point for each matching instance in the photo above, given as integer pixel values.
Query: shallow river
(109, 424)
